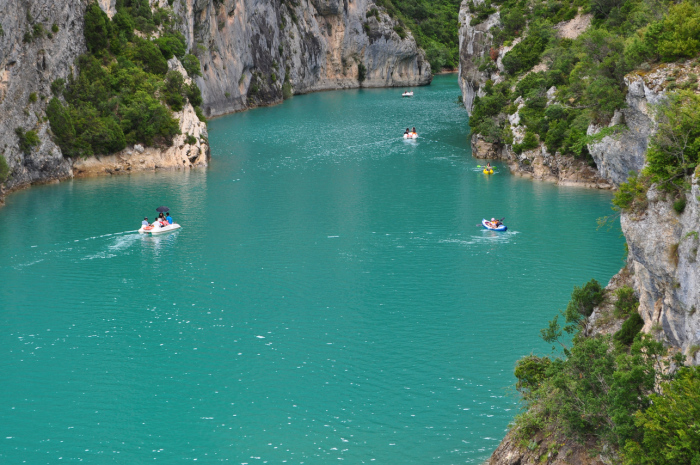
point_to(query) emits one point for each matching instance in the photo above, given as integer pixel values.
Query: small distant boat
(488, 171)
(490, 226)
(410, 135)
(156, 228)
(407, 94)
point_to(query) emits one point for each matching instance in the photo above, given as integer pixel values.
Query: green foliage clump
(674, 150)
(172, 44)
(527, 53)
(32, 97)
(190, 139)
(27, 140)
(602, 389)
(626, 303)
(4, 169)
(679, 205)
(632, 195)
(361, 72)
(630, 329)
(192, 66)
(585, 299)
(434, 25)
(669, 432)
(123, 93)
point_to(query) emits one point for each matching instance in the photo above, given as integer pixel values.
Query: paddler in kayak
(495, 223)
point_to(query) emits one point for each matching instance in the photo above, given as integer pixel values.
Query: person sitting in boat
(169, 218)
(488, 166)
(407, 133)
(160, 221)
(496, 223)
(415, 134)
(145, 222)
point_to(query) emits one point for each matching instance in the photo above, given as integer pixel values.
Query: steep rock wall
(29, 62)
(249, 48)
(663, 256)
(616, 156)
(475, 42)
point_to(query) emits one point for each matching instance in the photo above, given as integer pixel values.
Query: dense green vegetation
(434, 25)
(587, 72)
(124, 93)
(621, 390)
(4, 169)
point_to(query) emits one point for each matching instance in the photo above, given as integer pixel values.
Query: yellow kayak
(488, 171)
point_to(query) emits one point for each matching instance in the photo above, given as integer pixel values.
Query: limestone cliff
(249, 49)
(253, 52)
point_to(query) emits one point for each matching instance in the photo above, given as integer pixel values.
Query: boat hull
(155, 229)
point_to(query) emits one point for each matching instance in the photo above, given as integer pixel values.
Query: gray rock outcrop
(475, 42)
(616, 156)
(663, 256)
(249, 49)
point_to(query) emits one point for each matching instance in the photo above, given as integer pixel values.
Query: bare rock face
(663, 257)
(251, 49)
(475, 42)
(31, 57)
(616, 156)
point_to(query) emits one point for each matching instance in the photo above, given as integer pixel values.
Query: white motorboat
(410, 135)
(407, 94)
(157, 228)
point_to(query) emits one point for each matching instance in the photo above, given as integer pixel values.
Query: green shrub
(172, 44)
(190, 139)
(27, 140)
(192, 65)
(630, 328)
(287, 90)
(174, 89)
(626, 303)
(54, 28)
(62, 128)
(529, 142)
(632, 195)
(670, 434)
(681, 32)
(585, 299)
(194, 95)
(361, 72)
(530, 372)
(679, 205)
(400, 31)
(200, 115)
(674, 150)
(4, 169)
(148, 55)
(32, 97)
(58, 86)
(97, 28)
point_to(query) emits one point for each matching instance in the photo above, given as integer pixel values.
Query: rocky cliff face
(475, 42)
(249, 49)
(663, 258)
(253, 52)
(31, 57)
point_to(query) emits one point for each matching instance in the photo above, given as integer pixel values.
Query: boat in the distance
(407, 94)
(489, 225)
(488, 170)
(410, 135)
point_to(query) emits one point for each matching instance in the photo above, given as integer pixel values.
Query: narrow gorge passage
(329, 296)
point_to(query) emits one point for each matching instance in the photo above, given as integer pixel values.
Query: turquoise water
(329, 297)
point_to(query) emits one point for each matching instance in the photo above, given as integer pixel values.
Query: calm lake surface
(329, 296)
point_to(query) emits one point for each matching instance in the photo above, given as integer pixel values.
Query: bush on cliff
(4, 169)
(27, 140)
(123, 93)
(592, 392)
(669, 432)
